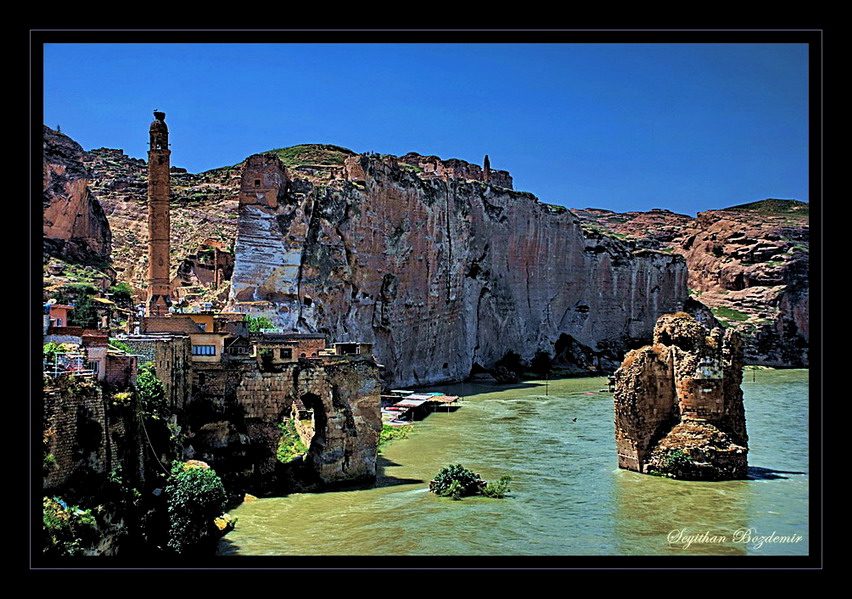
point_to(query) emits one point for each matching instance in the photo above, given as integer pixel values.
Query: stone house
(102, 361)
(353, 349)
(56, 315)
(207, 345)
(287, 347)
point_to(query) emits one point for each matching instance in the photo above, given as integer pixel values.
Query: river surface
(556, 441)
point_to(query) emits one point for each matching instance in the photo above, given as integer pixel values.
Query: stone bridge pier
(342, 398)
(346, 404)
(679, 405)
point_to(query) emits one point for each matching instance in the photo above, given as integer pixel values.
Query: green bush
(49, 352)
(195, 498)
(456, 481)
(290, 446)
(499, 489)
(68, 530)
(152, 392)
(48, 463)
(677, 460)
(122, 399)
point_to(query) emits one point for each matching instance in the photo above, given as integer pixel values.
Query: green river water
(568, 497)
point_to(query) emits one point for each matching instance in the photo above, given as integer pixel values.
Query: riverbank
(568, 495)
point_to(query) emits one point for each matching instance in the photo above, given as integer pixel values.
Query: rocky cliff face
(440, 275)
(203, 216)
(748, 263)
(75, 227)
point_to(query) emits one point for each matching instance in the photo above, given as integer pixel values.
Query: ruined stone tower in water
(159, 290)
(679, 405)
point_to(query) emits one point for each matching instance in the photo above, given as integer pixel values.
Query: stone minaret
(159, 290)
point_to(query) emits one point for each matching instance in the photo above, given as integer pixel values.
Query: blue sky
(686, 127)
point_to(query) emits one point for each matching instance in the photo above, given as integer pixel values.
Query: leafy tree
(122, 294)
(256, 323)
(85, 313)
(152, 392)
(195, 498)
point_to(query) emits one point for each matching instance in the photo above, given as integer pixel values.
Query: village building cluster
(159, 328)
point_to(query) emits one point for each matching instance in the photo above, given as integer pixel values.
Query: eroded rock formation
(679, 406)
(748, 263)
(440, 275)
(75, 227)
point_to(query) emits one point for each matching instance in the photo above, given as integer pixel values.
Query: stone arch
(314, 405)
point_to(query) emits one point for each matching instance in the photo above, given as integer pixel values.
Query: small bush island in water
(456, 481)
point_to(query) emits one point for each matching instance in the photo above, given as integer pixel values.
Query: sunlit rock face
(748, 263)
(440, 275)
(74, 224)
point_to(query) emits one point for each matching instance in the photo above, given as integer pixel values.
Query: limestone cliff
(748, 263)
(440, 275)
(679, 405)
(75, 227)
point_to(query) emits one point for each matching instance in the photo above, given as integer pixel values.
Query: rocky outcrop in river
(679, 406)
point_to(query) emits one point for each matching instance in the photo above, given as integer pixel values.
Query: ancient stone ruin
(679, 406)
